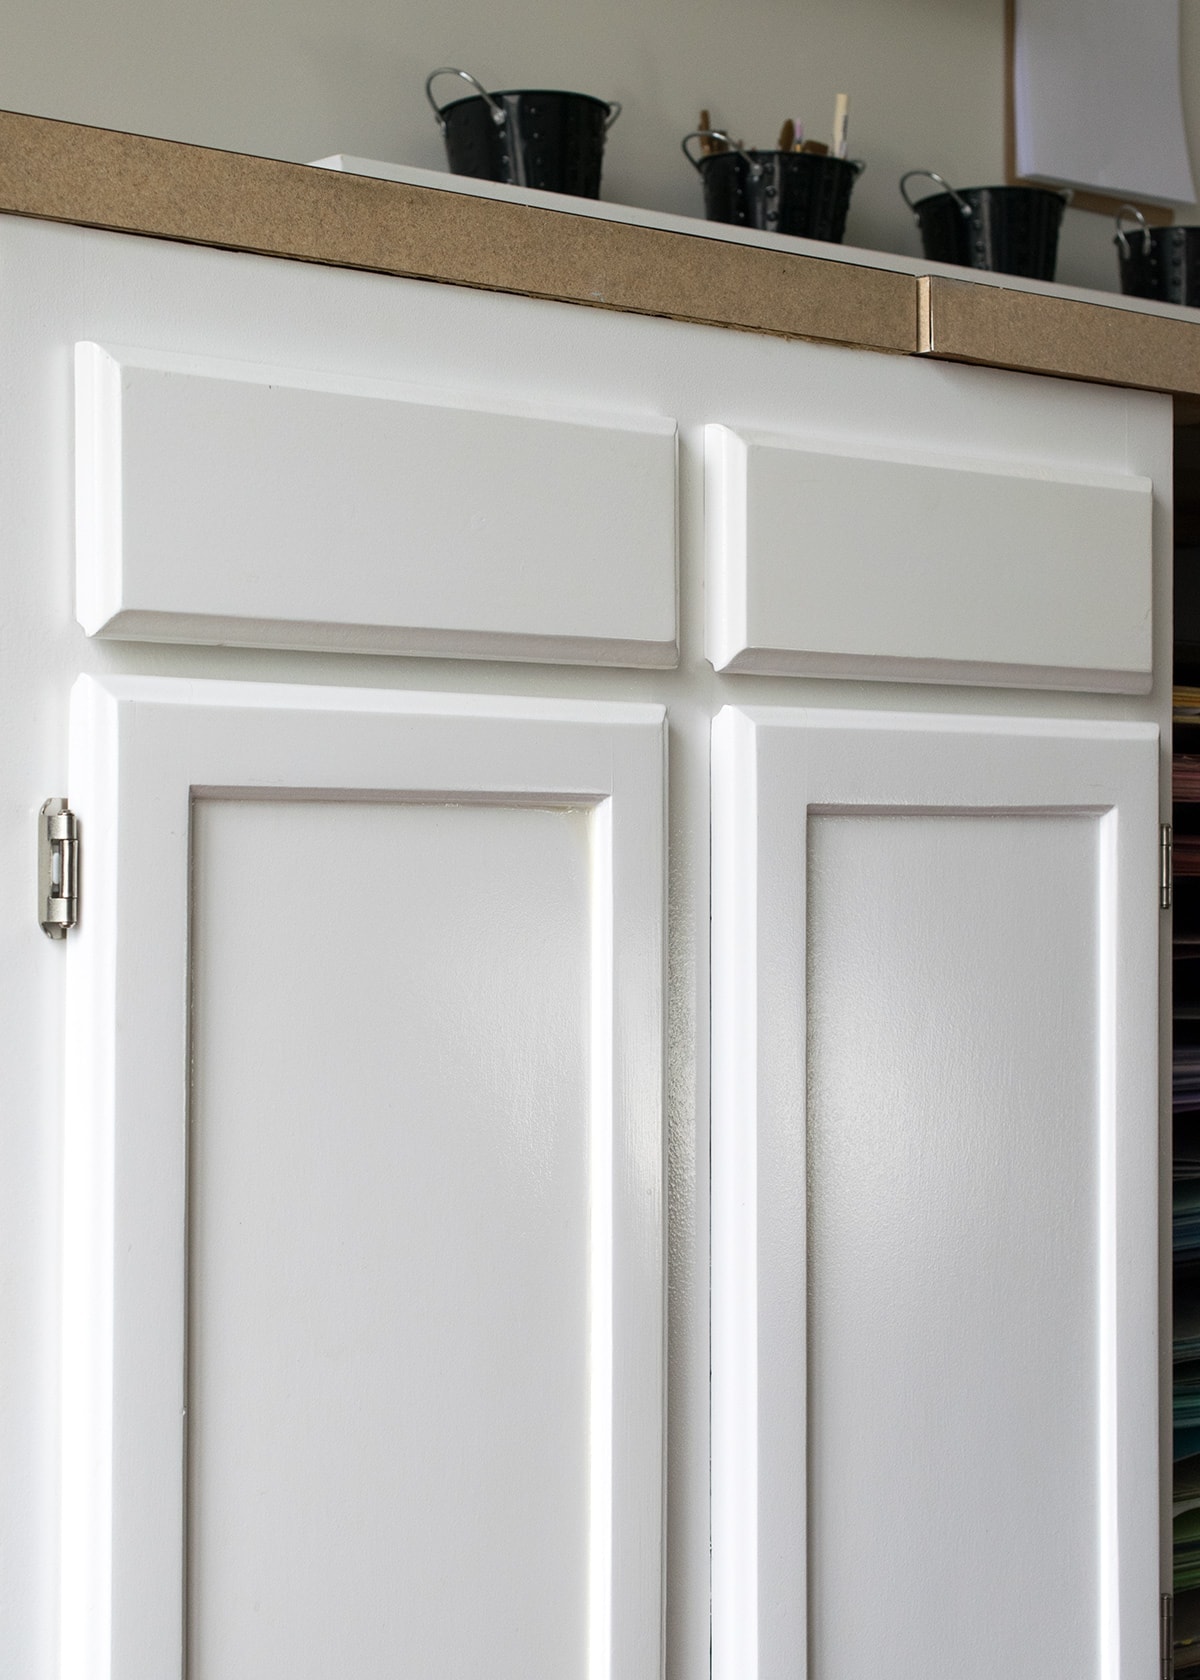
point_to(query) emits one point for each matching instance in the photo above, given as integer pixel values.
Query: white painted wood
(416, 1324)
(935, 1190)
(63, 285)
(220, 502)
(894, 562)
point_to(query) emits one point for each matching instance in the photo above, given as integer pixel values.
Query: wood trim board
(132, 184)
(1032, 333)
(93, 177)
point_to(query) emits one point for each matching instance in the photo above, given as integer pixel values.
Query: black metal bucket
(1160, 262)
(801, 193)
(534, 138)
(1009, 230)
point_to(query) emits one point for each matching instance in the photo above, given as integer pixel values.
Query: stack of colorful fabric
(1186, 1245)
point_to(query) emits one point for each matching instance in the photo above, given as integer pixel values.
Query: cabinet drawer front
(925, 567)
(227, 503)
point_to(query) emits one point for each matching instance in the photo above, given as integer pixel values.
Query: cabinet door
(364, 1263)
(935, 1151)
(229, 502)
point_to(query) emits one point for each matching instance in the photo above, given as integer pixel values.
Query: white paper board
(1097, 93)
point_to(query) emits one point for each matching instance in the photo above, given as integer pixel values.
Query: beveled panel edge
(94, 177)
(963, 321)
(957, 673)
(141, 624)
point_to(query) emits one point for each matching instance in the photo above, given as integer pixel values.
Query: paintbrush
(841, 125)
(707, 143)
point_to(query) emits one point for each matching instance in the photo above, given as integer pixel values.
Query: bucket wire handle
(756, 169)
(1121, 238)
(449, 70)
(614, 111)
(930, 175)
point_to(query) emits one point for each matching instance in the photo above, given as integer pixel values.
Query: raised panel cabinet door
(935, 1197)
(916, 562)
(220, 501)
(363, 1279)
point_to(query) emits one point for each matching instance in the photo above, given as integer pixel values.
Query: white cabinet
(223, 501)
(915, 560)
(363, 1282)
(365, 1039)
(935, 1171)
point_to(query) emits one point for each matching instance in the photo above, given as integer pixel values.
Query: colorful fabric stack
(1186, 1199)
(1186, 1245)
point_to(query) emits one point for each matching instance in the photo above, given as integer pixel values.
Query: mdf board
(364, 1269)
(925, 565)
(225, 502)
(935, 1173)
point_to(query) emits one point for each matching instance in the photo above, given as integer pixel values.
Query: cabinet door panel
(364, 1173)
(952, 1098)
(225, 502)
(935, 1130)
(388, 1238)
(839, 558)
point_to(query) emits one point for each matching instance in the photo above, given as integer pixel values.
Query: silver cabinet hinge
(1166, 1635)
(1166, 869)
(58, 868)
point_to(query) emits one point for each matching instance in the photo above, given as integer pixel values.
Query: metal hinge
(58, 868)
(1166, 869)
(1166, 1635)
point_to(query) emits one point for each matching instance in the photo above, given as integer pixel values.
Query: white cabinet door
(920, 563)
(935, 1151)
(224, 501)
(364, 1160)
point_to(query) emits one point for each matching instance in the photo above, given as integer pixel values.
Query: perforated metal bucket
(1008, 230)
(1160, 262)
(532, 138)
(802, 193)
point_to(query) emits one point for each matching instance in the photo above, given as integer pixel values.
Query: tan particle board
(100, 178)
(965, 322)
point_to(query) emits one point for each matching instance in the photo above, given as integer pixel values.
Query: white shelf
(697, 228)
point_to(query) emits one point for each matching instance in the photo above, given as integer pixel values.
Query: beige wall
(303, 78)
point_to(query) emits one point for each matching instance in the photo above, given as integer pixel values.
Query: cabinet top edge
(126, 183)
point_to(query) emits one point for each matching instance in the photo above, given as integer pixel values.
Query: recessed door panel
(389, 1234)
(955, 1132)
